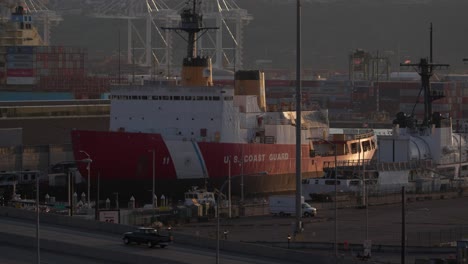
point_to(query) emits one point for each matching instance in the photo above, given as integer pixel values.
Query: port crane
(225, 46)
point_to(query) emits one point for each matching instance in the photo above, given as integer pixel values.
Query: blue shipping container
(20, 49)
(35, 96)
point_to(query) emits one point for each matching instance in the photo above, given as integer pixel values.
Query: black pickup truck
(147, 236)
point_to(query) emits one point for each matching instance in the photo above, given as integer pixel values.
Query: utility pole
(298, 122)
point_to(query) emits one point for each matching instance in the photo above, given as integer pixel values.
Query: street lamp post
(153, 196)
(37, 220)
(229, 190)
(88, 167)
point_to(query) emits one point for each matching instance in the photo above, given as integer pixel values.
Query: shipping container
(20, 49)
(23, 96)
(21, 80)
(16, 57)
(20, 72)
(20, 65)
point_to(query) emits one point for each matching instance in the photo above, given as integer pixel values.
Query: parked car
(148, 236)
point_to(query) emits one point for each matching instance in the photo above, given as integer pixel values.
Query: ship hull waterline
(123, 162)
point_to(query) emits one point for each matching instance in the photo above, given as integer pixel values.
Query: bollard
(289, 239)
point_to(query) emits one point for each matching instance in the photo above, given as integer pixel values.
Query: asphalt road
(15, 255)
(174, 254)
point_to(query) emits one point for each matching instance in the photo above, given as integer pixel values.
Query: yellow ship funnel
(251, 83)
(197, 72)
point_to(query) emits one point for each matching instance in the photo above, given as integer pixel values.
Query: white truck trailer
(286, 205)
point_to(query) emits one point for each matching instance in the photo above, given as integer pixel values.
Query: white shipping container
(19, 57)
(21, 80)
(20, 65)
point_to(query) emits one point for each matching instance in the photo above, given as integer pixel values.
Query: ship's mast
(196, 70)
(425, 70)
(192, 24)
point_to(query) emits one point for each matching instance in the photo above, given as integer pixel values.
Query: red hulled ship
(192, 132)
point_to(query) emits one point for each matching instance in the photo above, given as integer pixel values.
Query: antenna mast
(192, 24)
(425, 70)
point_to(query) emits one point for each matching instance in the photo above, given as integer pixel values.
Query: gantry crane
(157, 14)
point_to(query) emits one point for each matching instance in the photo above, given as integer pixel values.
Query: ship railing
(370, 165)
(342, 164)
(398, 166)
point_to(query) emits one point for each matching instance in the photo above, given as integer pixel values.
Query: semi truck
(286, 205)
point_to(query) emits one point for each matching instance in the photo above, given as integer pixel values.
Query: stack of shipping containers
(52, 72)
(20, 65)
(60, 68)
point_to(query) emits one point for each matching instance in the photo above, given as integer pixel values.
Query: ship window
(170, 98)
(134, 97)
(165, 97)
(155, 98)
(176, 98)
(366, 145)
(188, 98)
(199, 98)
(316, 181)
(144, 97)
(210, 98)
(215, 98)
(354, 148)
(206, 98)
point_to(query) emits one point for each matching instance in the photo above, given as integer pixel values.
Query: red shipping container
(20, 72)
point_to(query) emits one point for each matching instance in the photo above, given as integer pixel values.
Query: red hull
(123, 162)
(118, 155)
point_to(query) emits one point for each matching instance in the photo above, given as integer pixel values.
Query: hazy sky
(331, 29)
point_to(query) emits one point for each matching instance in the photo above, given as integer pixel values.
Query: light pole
(242, 173)
(336, 193)
(37, 220)
(88, 167)
(217, 207)
(229, 189)
(153, 193)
